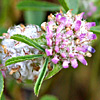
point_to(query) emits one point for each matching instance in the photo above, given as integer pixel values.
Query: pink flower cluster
(68, 38)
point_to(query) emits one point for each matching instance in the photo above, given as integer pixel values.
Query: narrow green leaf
(70, 4)
(21, 58)
(95, 29)
(3, 97)
(27, 40)
(41, 77)
(64, 4)
(1, 84)
(41, 40)
(56, 69)
(34, 17)
(49, 97)
(37, 5)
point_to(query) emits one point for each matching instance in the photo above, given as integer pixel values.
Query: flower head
(28, 69)
(69, 39)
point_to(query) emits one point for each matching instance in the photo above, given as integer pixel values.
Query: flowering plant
(31, 53)
(67, 39)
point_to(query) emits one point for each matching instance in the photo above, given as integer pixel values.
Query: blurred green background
(82, 83)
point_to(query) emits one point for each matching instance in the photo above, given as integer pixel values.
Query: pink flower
(69, 39)
(71, 55)
(70, 32)
(77, 25)
(58, 35)
(57, 41)
(90, 24)
(79, 16)
(65, 64)
(50, 24)
(55, 60)
(48, 52)
(60, 27)
(49, 42)
(81, 49)
(81, 59)
(57, 49)
(58, 16)
(63, 55)
(63, 20)
(49, 33)
(92, 36)
(74, 63)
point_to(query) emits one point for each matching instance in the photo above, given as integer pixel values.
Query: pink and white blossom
(71, 39)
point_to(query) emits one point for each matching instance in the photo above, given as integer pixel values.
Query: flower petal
(63, 55)
(55, 60)
(65, 64)
(81, 59)
(74, 63)
(90, 49)
(48, 52)
(56, 49)
(90, 24)
(77, 25)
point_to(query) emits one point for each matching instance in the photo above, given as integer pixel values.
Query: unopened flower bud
(88, 54)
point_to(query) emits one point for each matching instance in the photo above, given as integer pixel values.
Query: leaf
(37, 5)
(3, 97)
(95, 29)
(34, 17)
(70, 4)
(49, 97)
(27, 40)
(1, 84)
(56, 69)
(41, 40)
(21, 58)
(41, 77)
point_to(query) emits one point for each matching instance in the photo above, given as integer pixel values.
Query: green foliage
(49, 97)
(95, 29)
(3, 11)
(70, 4)
(2, 97)
(56, 69)
(41, 77)
(1, 84)
(41, 40)
(21, 58)
(37, 6)
(31, 16)
(27, 40)
(2, 30)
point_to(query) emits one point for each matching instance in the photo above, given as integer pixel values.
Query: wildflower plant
(68, 38)
(31, 53)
